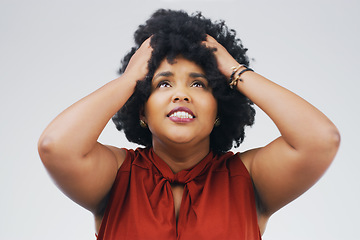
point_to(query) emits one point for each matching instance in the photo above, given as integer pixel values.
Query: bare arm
(83, 168)
(291, 164)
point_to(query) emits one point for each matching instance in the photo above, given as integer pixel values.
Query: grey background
(52, 53)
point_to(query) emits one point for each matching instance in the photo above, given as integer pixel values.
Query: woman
(186, 94)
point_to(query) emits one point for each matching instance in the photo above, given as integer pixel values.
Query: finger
(210, 39)
(209, 44)
(146, 43)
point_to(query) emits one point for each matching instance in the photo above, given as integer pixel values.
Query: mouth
(181, 114)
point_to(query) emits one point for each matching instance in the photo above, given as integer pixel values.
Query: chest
(214, 205)
(177, 194)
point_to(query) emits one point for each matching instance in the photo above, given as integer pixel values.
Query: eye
(163, 84)
(198, 83)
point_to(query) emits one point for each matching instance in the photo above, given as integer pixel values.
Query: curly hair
(177, 33)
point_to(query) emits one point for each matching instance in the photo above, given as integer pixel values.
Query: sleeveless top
(218, 200)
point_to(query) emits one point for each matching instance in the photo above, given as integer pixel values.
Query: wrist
(236, 74)
(132, 76)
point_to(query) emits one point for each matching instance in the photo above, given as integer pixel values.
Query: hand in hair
(138, 64)
(224, 60)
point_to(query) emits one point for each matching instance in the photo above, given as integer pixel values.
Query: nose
(180, 96)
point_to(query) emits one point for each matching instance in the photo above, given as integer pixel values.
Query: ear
(142, 114)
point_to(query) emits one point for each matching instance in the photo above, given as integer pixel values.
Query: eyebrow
(163, 74)
(169, 74)
(196, 75)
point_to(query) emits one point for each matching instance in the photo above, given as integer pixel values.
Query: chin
(180, 140)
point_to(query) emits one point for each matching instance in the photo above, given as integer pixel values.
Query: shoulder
(232, 163)
(119, 153)
(247, 158)
(128, 157)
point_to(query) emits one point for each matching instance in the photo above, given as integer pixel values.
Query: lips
(181, 114)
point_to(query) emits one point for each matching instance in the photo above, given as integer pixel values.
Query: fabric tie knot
(184, 176)
(177, 179)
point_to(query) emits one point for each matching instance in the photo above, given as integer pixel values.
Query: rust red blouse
(218, 200)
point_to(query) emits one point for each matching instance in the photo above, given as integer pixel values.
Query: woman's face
(181, 107)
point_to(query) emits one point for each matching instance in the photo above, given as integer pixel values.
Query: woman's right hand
(138, 64)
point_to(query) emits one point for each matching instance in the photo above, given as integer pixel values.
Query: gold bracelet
(233, 81)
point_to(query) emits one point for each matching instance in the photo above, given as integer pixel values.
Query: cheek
(211, 104)
(146, 109)
(209, 107)
(151, 107)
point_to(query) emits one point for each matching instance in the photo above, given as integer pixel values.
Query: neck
(181, 156)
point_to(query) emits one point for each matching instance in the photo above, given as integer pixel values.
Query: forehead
(179, 65)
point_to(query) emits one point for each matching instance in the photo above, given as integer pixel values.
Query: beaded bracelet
(233, 81)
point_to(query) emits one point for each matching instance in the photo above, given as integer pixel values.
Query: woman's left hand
(224, 59)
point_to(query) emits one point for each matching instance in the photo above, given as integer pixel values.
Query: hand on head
(138, 64)
(224, 59)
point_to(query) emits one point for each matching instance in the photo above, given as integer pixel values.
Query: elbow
(328, 144)
(337, 138)
(333, 139)
(46, 149)
(320, 152)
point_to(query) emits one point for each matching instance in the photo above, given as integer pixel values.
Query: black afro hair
(175, 33)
